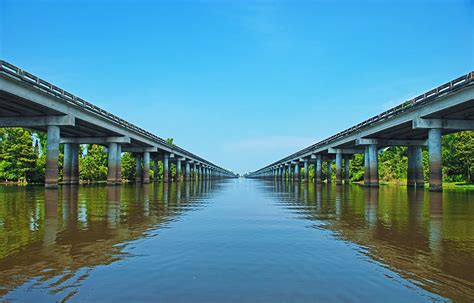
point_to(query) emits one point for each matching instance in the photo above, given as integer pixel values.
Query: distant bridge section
(28, 101)
(416, 123)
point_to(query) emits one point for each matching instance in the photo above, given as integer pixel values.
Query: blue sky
(241, 83)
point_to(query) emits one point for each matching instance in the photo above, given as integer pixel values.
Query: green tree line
(22, 160)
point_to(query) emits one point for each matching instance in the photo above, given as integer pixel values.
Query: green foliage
(128, 166)
(356, 168)
(93, 166)
(393, 163)
(18, 159)
(458, 157)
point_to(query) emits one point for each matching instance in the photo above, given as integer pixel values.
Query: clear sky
(241, 83)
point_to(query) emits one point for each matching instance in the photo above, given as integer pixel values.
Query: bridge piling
(338, 167)
(166, 159)
(146, 167)
(52, 154)
(67, 163)
(329, 171)
(118, 170)
(296, 176)
(75, 164)
(346, 169)
(187, 171)
(306, 171)
(138, 168)
(434, 150)
(411, 177)
(419, 173)
(366, 166)
(374, 165)
(178, 170)
(318, 169)
(112, 164)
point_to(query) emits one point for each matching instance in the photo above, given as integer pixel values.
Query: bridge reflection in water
(55, 238)
(426, 237)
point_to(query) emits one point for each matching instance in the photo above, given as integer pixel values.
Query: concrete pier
(166, 161)
(194, 171)
(318, 172)
(366, 166)
(329, 171)
(306, 171)
(178, 170)
(138, 168)
(374, 166)
(156, 170)
(347, 163)
(52, 154)
(75, 164)
(296, 176)
(118, 178)
(112, 164)
(434, 151)
(146, 167)
(419, 173)
(67, 163)
(411, 176)
(187, 171)
(339, 168)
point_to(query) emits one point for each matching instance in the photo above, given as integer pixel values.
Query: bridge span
(416, 123)
(31, 102)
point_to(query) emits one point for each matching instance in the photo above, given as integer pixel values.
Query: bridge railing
(456, 84)
(18, 73)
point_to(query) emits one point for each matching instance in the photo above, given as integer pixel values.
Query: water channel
(236, 240)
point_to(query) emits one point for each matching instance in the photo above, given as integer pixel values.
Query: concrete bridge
(416, 123)
(28, 101)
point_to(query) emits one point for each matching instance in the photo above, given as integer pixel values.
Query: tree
(18, 160)
(93, 166)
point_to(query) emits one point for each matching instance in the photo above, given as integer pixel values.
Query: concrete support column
(419, 173)
(306, 171)
(178, 170)
(75, 164)
(366, 167)
(52, 154)
(194, 171)
(329, 171)
(434, 150)
(112, 164)
(138, 168)
(118, 178)
(199, 172)
(318, 169)
(411, 177)
(155, 170)
(146, 167)
(339, 168)
(166, 161)
(346, 170)
(187, 171)
(67, 163)
(296, 177)
(374, 165)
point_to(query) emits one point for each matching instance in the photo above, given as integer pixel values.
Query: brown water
(236, 240)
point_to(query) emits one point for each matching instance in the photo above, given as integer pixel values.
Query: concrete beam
(139, 149)
(443, 124)
(390, 142)
(35, 121)
(96, 140)
(345, 150)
